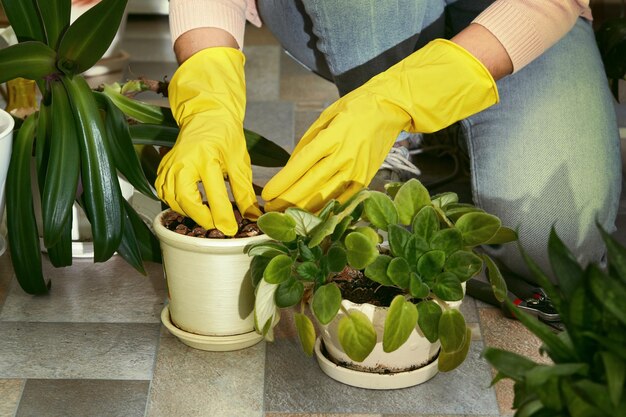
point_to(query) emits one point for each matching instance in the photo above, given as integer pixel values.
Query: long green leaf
(120, 145)
(616, 254)
(42, 144)
(88, 38)
(153, 134)
(102, 194)
(564, 265)
(55, 15)
(138, 110)
(24, 20)
(129, 248)
(59, 191)
(30, 60)
(264, 152)
(61, 253)
(21, 223)
(146, 240)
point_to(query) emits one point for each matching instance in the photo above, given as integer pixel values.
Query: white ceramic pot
(411, 364)
(210, 289)
(6, 144)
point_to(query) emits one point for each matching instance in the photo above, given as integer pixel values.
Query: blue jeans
(547, 155)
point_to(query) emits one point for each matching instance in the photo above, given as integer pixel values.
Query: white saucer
(373, 380)
(212, 343)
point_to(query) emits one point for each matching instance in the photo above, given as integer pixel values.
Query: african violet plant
(587, 376)
(81, 140)
(431, 248)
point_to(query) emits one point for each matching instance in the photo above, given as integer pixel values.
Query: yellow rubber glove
(342, 151)
(208, 98)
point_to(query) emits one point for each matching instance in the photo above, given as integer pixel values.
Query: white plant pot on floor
(211, 297)
(6, 145)
(411, 364)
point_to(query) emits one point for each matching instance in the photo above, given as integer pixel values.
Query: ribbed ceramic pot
(209, 285)
(6, 145)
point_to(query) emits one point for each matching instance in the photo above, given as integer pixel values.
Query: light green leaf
(278, 269)
(265, 308)
(370, 233)
(410, 199)
(452, 330)
(278, 226)
(326, 228)
(357, 335)
(498, 284)
(450, 360)
(502, 236)
(425, 223)
(377, 270)
(267, 249)
(306, 333)
(444, 199)
(399, 272)
(463, 264)
(429, 314)
(399, 324)
(305, 221)
(361, 250)
(326, 302)
(456, 210)
(380, 210)
(477, 228)
(417, 287)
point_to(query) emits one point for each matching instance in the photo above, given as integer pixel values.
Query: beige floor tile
(510, 335)
(319, 415)
(10, 393)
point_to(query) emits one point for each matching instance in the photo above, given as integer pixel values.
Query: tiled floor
(95, 345)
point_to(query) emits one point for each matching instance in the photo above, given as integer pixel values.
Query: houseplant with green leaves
(415, 249)
(81, 140)
(588, 371)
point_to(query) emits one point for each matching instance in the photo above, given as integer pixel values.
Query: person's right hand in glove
(207, 97)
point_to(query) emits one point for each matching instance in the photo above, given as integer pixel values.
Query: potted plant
(383, 275)
(588, 370)
(81, 139)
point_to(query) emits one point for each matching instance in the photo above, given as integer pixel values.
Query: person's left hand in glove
(434, 87)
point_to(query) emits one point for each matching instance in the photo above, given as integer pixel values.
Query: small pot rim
(190, 241)
(4, 115)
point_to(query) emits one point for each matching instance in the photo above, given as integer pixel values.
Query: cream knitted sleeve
(526, 28)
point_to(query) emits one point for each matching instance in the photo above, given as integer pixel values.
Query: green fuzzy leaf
(399, 272)
(305, 221)
(448, 361)
(357, 335)
(399, 324)
(377, 270)
(564, 265)
(447, 240)
(498, 284)
(343, 225)
(448, 287)
(463, 264)
(278, 226)
(324, 229)
(444, 199)
(502, 236)
(431, 264)
(25, 21)
(370, 233)
(414, 249)
(380, 210)
(88, 38)
(257, 268)
(267, 249)
(398, 238)
(452, 330)
(477, 228)
(288, 293)
(361, 250)
(425, 223)
(429, 315)
(308, 254)
(309, 271)
(55, 15)
(306, 333)
(337, 258)
(417, 287)
(410, 199)
(350, 206)
(31, 60)
(326, 302)
(21, 224)
(278, 269)
(456, 210)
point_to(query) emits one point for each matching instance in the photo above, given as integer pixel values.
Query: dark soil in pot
(357, 288)
(187, 226)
